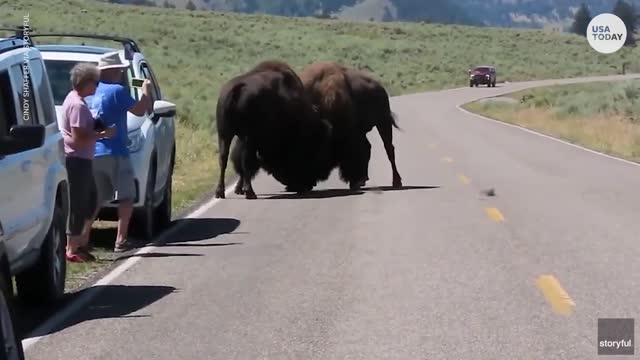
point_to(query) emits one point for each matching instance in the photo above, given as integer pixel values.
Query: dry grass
(603, 116)
(611, 134)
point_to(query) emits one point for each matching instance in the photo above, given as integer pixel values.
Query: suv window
(59, 72)
(145, 69)
(26, 96)
(8, 114)
(42, 93)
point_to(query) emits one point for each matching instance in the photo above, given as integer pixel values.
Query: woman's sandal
(87, 252)
(80, 257)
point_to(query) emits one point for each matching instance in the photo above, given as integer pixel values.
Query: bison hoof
(397, 183)
(249, 194)
(220, 193)
(239, 190)
(355, 186)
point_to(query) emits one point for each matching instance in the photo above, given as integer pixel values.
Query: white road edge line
(94, 289)
(459, 107)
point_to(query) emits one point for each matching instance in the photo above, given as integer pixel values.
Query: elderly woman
(77, 126)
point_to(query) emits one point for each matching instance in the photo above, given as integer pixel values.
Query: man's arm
(144, 105)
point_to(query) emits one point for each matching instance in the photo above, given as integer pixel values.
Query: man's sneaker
(125, 245)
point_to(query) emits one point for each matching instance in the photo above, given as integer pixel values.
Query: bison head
(311, 161)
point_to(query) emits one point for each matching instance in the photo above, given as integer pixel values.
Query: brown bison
(276, 128)
(354, 102)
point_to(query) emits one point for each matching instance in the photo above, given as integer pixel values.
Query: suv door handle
(26, 165)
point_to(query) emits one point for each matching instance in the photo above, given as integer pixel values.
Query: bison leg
(355, 162)
(224, 143)
(386, 134)
(236, 159)
(250, 167)
(366, 148)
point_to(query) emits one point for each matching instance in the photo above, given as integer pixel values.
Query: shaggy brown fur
(354, 102)
(267, 109)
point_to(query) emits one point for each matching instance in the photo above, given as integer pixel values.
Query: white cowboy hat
(112, 61)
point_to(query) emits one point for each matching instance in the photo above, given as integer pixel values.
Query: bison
(354, 102)
(276, 128)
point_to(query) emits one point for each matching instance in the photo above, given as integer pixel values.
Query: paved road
(426, 272)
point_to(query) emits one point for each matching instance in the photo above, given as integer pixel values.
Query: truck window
(146, 72)
(42, 92)
(26, 93)
(8, 115)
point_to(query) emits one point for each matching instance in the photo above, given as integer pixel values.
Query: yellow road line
(464, 179)
(447, 159)
(560, 301)
(494, 214)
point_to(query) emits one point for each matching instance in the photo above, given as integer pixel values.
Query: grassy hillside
(600, 116)
(441, 11)
(194, 52)
(518, 13)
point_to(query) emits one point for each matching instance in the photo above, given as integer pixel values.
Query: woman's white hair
(82, 73)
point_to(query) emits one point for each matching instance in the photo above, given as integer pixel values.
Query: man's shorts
(114, 179)
(82, 193)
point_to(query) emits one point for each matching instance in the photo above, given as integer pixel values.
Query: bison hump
(333, 91)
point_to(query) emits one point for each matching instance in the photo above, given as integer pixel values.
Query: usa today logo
(606, 33)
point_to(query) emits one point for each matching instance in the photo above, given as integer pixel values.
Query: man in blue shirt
(113, 169)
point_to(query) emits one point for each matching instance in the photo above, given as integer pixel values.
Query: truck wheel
(470, 83)
(163, 212)
(44, 282)
(10, 344)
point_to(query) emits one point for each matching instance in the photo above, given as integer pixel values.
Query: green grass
(601, 116)
(194, 53)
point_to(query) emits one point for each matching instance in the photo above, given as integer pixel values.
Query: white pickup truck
(33, 180)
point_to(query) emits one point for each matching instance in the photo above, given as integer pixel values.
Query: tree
(627, 13)
(191, 5)
(581, 20)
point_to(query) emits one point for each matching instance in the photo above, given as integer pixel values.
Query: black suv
(485, 75)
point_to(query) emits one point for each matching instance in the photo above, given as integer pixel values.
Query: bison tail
(394, 120)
